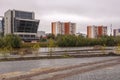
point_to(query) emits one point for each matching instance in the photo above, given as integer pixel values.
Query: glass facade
(26, 26)
(27, 36)
(23, 15)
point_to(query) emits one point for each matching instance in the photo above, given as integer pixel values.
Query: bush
(78, 41)
(13, 41)
(66, 41)
(29, 45)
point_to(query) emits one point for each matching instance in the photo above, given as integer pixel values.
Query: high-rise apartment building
(21, 23)
(63, 28)
(96, 31)
(116, 32)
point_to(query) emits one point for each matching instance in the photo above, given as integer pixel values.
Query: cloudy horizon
(82, 12)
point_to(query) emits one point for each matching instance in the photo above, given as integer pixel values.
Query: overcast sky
(82, 12)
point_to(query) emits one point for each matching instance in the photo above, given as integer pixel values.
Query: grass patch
(29, 45)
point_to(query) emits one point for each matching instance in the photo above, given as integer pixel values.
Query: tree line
(79, 41)
(14, 41)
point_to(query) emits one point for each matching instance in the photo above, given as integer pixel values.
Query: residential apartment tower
(96, 31)
(63, 28)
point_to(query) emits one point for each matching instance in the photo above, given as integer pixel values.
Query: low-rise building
(41, 34)
(81, 34)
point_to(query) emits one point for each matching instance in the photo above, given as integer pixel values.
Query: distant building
(0, 25)
(21, 23)
(96, 31)
(81, 34)
(41, 34)
(116, 32)
(63, 28)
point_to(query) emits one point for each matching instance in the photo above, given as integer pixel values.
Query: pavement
(97, 70)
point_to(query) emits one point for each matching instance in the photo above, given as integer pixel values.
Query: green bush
(66, 40)
(29, 45)
(51, 46)
(13, 41)
(78, 41)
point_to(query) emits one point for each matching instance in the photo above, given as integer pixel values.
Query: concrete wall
(7, 22)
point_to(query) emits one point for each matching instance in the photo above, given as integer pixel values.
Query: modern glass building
(21, 23)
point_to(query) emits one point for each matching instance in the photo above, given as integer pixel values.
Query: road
(109, 73)
(12, 66)
(74, 69)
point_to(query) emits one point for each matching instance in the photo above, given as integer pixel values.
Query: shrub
(13, 41)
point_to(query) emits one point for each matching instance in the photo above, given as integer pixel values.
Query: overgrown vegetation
(13, 41)
(51, 45)
(117, 49)
(10, 41)
(78, 41)
(29, 45)
(35, 49)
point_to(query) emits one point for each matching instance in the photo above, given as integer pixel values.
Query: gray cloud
(83, 12)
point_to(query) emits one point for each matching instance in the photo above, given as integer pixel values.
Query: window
(26, 26)
(24, 15)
